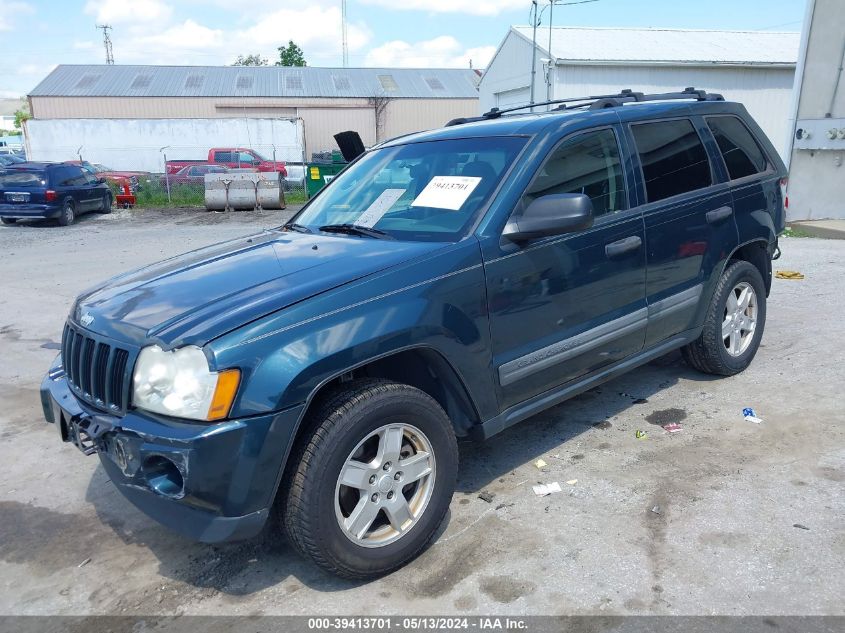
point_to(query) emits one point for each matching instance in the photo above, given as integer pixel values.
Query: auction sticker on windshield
(379, 207)
(446, 192)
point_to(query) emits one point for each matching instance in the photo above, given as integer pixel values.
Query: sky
(36, 35)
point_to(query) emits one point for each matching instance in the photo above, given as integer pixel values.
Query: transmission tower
(343, 29)
(107, 42)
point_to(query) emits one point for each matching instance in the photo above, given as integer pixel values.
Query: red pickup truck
(233, 158)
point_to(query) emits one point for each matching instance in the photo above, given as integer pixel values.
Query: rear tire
(8, 220)
(68, 214)
(107, 203)
(733, 326)
(397, 452)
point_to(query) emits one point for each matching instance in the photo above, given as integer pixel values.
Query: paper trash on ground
(541, 490)
(446, 192)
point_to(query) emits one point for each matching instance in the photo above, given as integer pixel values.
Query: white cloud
(131, 11)
(315, 29)
(10, 11)
(472, 7)
(441, 52)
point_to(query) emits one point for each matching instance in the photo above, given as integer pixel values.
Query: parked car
(233, 158)
(6, 150)
(134, 178)
(447, 284)
(10, 159)
(60, 191)
(191, 175)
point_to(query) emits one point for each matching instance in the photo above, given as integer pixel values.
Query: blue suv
(447, 284)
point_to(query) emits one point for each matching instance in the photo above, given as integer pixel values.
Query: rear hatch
(22, 186)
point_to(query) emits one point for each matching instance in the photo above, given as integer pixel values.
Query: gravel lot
(750, 516)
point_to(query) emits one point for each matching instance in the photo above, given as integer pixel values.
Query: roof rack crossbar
(597, 102)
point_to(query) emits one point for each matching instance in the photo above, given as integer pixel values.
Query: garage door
(511, 98)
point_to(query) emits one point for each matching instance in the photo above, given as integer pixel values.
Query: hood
(193, 298)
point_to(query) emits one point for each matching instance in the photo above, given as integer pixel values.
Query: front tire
(733, 326)
(373, 479)
(68, 214)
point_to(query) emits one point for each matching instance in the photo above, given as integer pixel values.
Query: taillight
(783, 184)
(50, 195)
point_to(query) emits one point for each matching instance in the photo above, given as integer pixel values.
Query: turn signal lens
(224, 394)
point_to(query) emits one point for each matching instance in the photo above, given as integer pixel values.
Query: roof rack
(597, 102)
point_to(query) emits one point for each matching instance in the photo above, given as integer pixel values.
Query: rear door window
(673, 158)
(743, 156)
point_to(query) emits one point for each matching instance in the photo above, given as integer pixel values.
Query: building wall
(509, 74)
(322, 117)
(176, 107)
(764, 90)
(817, 176)
(403, 116)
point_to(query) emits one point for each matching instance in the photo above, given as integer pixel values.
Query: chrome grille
(96, 370)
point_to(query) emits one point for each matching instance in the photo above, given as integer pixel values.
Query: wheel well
(426, 370)
(756, 253)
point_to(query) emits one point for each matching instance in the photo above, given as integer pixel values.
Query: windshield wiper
(299, 228)
(355, 229)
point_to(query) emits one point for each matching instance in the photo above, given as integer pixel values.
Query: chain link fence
(159, 189)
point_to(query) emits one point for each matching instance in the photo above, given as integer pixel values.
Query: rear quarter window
(673, 158)
(743, 156)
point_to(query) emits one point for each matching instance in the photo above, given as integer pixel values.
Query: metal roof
(102, 80)
(666, 46)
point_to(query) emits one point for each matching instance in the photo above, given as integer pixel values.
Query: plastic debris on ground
(789, 274)
(799, 526)
(486, 496)
(640, 435)
(541, 490)
(572, 482)
(672, 427)
(85, 562)
(750, 416)
(540, 463)
(656, 509)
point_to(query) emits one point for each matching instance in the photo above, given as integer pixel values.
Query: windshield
(427, 191)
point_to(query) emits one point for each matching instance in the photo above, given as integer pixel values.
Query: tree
(291, 55)
(379, 105)
(251, 60)
(21, 115)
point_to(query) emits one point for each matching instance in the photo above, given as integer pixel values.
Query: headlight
(179, 383)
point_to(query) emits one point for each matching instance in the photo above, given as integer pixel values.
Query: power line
(107, 42)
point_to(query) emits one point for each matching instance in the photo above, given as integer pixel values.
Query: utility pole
(534, 22)
(107, 42)
(343, 29)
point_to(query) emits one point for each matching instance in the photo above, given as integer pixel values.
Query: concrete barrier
(244, 190)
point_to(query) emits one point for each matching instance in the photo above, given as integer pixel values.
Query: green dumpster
(319, 172)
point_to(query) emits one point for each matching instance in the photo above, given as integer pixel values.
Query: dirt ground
(724, 517)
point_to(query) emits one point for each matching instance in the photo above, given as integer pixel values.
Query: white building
(755, 68)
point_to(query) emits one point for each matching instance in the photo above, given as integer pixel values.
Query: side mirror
(554, 214)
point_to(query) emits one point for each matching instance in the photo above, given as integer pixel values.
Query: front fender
(437, 304)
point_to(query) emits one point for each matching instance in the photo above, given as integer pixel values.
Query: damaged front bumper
(209, 482)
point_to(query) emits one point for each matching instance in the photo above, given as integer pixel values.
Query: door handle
(619, 247)
(717, 215)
